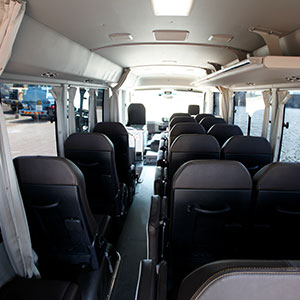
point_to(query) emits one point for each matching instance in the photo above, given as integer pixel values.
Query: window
(290, 149)
(29, 110)
(81, 105)
(162, 104)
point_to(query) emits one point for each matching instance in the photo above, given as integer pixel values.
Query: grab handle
(200, 210)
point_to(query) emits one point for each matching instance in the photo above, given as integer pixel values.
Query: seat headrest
(212, 174)
(193, 109)
(278, 176)
(199, 117)
(47, 170)
(207, 122)
(113, 128)
(178, 115)
(88, 142)
(184, 128)
(225, 129)
(195, 143)
(247, 145)
(184, 119)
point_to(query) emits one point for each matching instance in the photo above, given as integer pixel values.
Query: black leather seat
(277, 210)
(252, 151)
(193, 109)
(94, 154)
(37, 289)
(209, 213)
(136, 114)
(61, 224)
(222, 132)
(208, 122)
(199, 117)
(118, 134)
(183, 119)
(188, 147)
(179, 115)
(185, 128)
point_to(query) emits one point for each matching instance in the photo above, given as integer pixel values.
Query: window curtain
(13, 220)
(267, 101)
(114, 99)
(57, 93)
(71, 119)
(92, 109)
(226, 104)
(282, 98)
(11, 16)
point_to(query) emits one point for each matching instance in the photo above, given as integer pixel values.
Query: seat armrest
(162, 281)
(153, 229)
(104, 225)
(146, 286)
(159, 181)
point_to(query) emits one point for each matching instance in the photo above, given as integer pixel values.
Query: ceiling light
(172, 7)
(121, 37)
(220, 38)
(171, 35)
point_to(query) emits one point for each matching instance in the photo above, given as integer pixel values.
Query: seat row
(216, 211)
(252, 152)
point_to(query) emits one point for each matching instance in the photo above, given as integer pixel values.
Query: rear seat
(208, 122)
(184, 119)
(199, 117)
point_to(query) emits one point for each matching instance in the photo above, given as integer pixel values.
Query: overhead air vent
(171, 35)
(220, 38)
(121, 37)
(49, 74)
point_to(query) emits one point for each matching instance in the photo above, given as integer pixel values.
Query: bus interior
(149, 149)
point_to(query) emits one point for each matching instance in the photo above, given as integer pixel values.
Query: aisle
(132, 242)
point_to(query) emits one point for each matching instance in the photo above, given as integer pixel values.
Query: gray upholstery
(252, 151)
(185, 128)
(247, 280)
(277, 210)
(222, 132)
(94, 154)
(208, 122)
(184, 119)
(193, 109)
(199, 117)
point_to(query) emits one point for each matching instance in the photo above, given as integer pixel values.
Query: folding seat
(184, 128)
(277, 211)
(94, 154)
(118, 135)
(136, 114)
(61, 224)
(252, 151)
(184, 119)
(209, 213)
(208, 122)
(199, 117)
(179, 115)
(222, 132)
(226, 280)
(193, 109)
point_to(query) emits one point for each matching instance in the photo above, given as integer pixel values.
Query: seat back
(94, 154)
(188, 147)
(277, 209)
(179, 115)
(242, 279)
(184, 128)
(183, 119)
(61, 224)
(199, 117)
(252, 151)
(222, 132)
(210, 203)
(193, 109)
(136, 114)
(208, 122)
